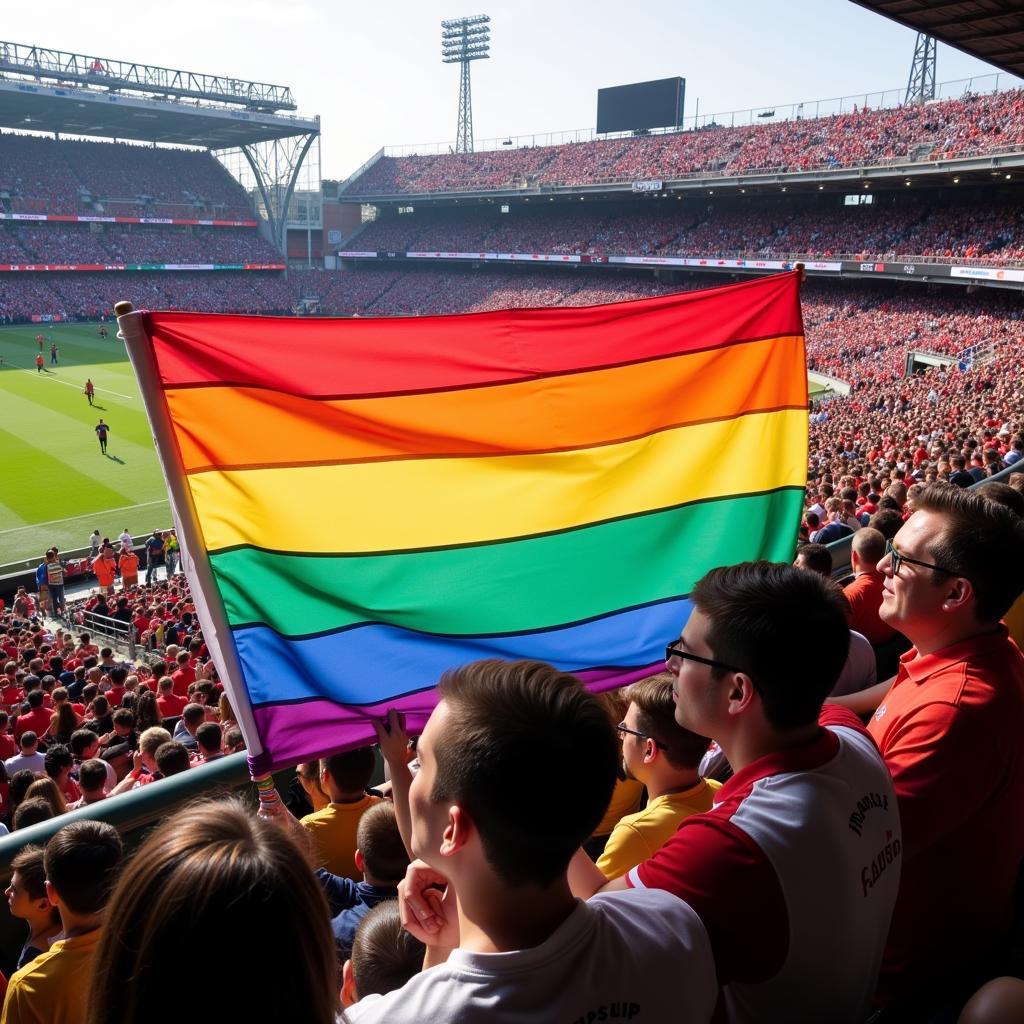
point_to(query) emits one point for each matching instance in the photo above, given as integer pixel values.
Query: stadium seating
(42, 175)
(969, 126)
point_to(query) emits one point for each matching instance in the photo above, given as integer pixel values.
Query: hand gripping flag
(365, 503)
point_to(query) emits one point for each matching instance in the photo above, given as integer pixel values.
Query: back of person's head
(171, 758)
(656, 718)
(234, 740)
(510, 728)
(165, 684)
(35, 699)
(193, 714)
(815, 557)
(119, 674)
(869, 545)
(32, 812)
(28, 742)
(381, 846)
(209, 878)
(147, 710)
(153, 739)
(786, 628)
(100, 707)
(1002, 494)
(887, 522)
(92, 776)
(981, 541)
(350, 771)
(56, 759)
(20, 781)
(209, 738)
(81, 741)
(48, 790)
(82, 861)
(384, 955)
(124, 718)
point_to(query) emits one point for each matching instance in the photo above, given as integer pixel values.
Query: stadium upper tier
(989, 230)
(971, 126)
(43, 175)
(22, 243)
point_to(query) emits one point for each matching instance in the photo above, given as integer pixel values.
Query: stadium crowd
(990, 231)
(43, 175)
(969, 126)
(796, 863)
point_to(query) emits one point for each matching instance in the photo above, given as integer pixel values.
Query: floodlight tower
(921, 84)
(464, 40)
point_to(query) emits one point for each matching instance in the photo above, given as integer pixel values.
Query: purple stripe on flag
(316, 728)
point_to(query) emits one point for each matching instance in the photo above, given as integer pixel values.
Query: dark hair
(211, 875)
(66, 722)
(28, 739)
(171, 758)
(509, 725)
(20, 781)
(56, 759)
(785, 627)
(817, 557)
(384, 955)
(208, 736)
(656, 718)
(28, 862)
(118, 674)
(352, 770)
(982, 541)
(233, 738)
(81, 740)
(1002, 494)
(148, 711)
(193, 713)
(31, 812)
(380, 843)
(35, 699)
(887, 522)
(123, 717)
(82, 861)
(92, 775)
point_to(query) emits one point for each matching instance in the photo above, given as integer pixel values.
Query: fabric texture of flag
(378, 500)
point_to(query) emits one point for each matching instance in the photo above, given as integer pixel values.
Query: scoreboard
(643, 105)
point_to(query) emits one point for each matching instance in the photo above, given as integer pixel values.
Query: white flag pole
(195, 561)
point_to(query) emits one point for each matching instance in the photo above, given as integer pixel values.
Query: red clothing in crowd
(37, 721)
(865, 597)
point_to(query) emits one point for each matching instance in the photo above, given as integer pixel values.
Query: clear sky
(373, 71)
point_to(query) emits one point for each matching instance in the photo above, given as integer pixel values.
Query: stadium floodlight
(464, 40)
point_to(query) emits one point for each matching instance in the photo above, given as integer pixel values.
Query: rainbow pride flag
(365, 503)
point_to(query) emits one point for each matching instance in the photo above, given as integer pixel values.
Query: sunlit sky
(374, 74)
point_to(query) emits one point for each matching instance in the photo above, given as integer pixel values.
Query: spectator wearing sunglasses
(795, 870)
(949, 729)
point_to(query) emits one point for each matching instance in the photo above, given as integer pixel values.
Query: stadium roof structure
(46, 90)
(991, 30)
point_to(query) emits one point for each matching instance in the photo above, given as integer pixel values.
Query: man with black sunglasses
(795, 869)
(949, 729)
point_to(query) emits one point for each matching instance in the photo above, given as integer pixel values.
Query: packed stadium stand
(45, 176)
(972, 125)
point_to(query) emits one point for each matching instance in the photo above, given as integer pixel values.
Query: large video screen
(630, 108)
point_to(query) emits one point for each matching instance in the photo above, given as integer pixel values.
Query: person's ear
(650, 751)
(349, 996)
(51, 893)
(457, 831)
(360, 862)
(741, 693)
(959, 594)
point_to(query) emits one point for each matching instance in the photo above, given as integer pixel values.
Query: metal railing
(114, 629)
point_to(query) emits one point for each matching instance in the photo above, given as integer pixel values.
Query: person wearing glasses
(950, 731)
(795, 869)
(665, 757)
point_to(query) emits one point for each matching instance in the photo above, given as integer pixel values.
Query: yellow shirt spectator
(333, 831)
(625, 799)
(639, 836)
(53, 988)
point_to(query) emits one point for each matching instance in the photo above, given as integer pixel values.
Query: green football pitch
(55, 484)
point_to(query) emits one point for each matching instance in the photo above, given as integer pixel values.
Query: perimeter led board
(643, 105)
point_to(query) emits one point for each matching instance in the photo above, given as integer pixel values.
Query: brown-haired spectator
(344, 778)
(192, 716)
(209, 740)
(31, 812)
(29, 756)
(92, 780)
(864, 594)
(384, 955)
(81, 863)
(213, 875)
(27, 899)
(665, 757)
(172, 759)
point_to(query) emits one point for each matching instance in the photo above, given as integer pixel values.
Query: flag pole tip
(121, 308)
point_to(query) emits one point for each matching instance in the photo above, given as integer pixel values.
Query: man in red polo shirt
(865, 592)
(949, 730)
(184, 676)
